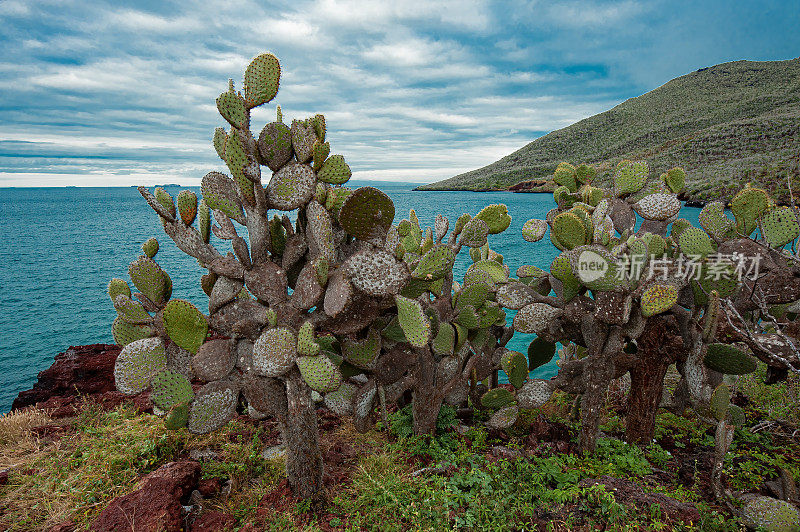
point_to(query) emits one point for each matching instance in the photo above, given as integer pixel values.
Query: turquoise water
(63, 245)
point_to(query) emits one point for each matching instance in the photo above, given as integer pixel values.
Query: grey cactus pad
(170, 389)
(138, 363)
(376, 272)
(213, 407)
(291, 187)
(274, 352)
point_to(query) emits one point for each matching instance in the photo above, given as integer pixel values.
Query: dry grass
(15, 427)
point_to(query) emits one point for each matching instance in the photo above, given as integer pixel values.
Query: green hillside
(726, 125)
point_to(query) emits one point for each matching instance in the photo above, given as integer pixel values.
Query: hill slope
(726, 124)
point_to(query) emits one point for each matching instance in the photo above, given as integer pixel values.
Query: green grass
(726, 125)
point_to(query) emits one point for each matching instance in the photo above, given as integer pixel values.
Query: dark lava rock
(156, 503)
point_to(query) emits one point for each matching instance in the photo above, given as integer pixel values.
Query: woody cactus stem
(304, 462)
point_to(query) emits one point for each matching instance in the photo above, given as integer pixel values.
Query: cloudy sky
(94, 93)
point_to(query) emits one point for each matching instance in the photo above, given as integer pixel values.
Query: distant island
(726, 125)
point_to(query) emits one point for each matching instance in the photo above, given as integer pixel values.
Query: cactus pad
(214, 405)
(540, 352)
(474, 295)
(340, 401)
(131, 311)
(138, 363)
(177, 417)
(675, 179)
(334, 171)
(766, 513)
(220, 139)
(275, 145)
(630, 177)
(747, 206)
(535, 318)
(150, 247)
(695, 242)
(376, 272)
(321, 152)
(219, 193)
(444, 341)
(515, 366)
(497, 398)
(495, 270)
(214, 360)
(362, 353)
(163, 198)
(274, 352)
(658, 298)
(148, 278)
(720, 401)
(514, 296)
(412, 319)
(204, 221)
(320, 373)
(435, 263)
(716, 224)
(171, 389)
(474, 233)
(570, 230)
(232, 108)
(367, 214)
(261, 79)
(779, 226)
(185, 325)
(728, 359)
(534, 230)
(291, 187)
(657, 206)
(496, 218)
(503, 418)
(565, 176)
(187, 206)
(125, 333)
(535, 393)
(118, 286)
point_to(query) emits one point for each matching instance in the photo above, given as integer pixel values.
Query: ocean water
(62, 246)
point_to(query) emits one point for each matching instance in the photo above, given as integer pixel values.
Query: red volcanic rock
(69, 526)
(213, 522)
(82, 370)
(156, 504)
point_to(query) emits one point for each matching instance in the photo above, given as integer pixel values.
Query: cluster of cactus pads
(338, 304)
(627, 264)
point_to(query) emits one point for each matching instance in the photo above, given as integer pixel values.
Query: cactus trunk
(427, 400)
(300, 435)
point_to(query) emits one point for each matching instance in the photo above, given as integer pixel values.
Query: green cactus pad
(596, 268)
(232, 108)
(585, 173)
(779, 226)
(468, 317)
(163, 197)
(569, 230)
(565, 176)
(367, 214)
(535, 393)
(220, 194)
(444, 341)
(320, 373)
(340, 401)
(766, 513)
(320, 155)
(362, 353)
(171, 389)
(496, 218)
(214, 360)
(736, 416)
(118, 286)
(150, 247)
(720, 401)
(561, 269)
(318, 123)
(540, 352)
(675, 179)
(435, 263)
(237, 160)
(148, 278)
(747, 206)
(306, 345)
(334, 171)
(185, 325)
(630, 177)
(658, 298)
(535, 318)
(496, 270)
(220, 139)
(530, 271)
(212, 408)
(415, 325)
(658, 206)
(275, 145)
(178, 417)
(515, 366)
(497, 398)
(291, 187)
(478, 276)
(716, 224)
(131, 311)
(474, 233)
(376, 272)
(695, 242)
(204, 221)
(274, 352)
(125, 333)
(262, 79)
(474, 295)
(534, 230)
(728, 359)
(138, 363)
